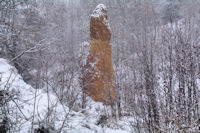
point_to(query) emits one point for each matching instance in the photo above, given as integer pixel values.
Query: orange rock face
(100, 80)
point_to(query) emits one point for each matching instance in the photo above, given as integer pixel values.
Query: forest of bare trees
(156, 58)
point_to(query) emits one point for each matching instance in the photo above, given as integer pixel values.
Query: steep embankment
(22, 102)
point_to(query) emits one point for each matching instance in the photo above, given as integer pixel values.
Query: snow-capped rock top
(99, 25)
(100, 10)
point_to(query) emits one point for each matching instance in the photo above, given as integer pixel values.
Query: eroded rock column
(100, 80)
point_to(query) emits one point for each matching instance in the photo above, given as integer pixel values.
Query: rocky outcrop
(99, 25)
(100, 80)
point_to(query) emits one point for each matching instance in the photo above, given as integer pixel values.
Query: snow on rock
(99, 11)
(99, 25)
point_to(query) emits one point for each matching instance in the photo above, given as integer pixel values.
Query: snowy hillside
(27, 101)
(139, 60)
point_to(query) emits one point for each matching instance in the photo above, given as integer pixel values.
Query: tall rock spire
(99, 79)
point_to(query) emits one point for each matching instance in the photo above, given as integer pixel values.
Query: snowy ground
(22, 108)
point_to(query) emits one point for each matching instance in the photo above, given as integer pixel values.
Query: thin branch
(28, 51)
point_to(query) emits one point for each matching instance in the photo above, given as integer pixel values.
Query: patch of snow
(98, 11)
(87, 122)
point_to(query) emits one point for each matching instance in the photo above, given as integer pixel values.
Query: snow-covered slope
(21, 106)
(27, 102)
